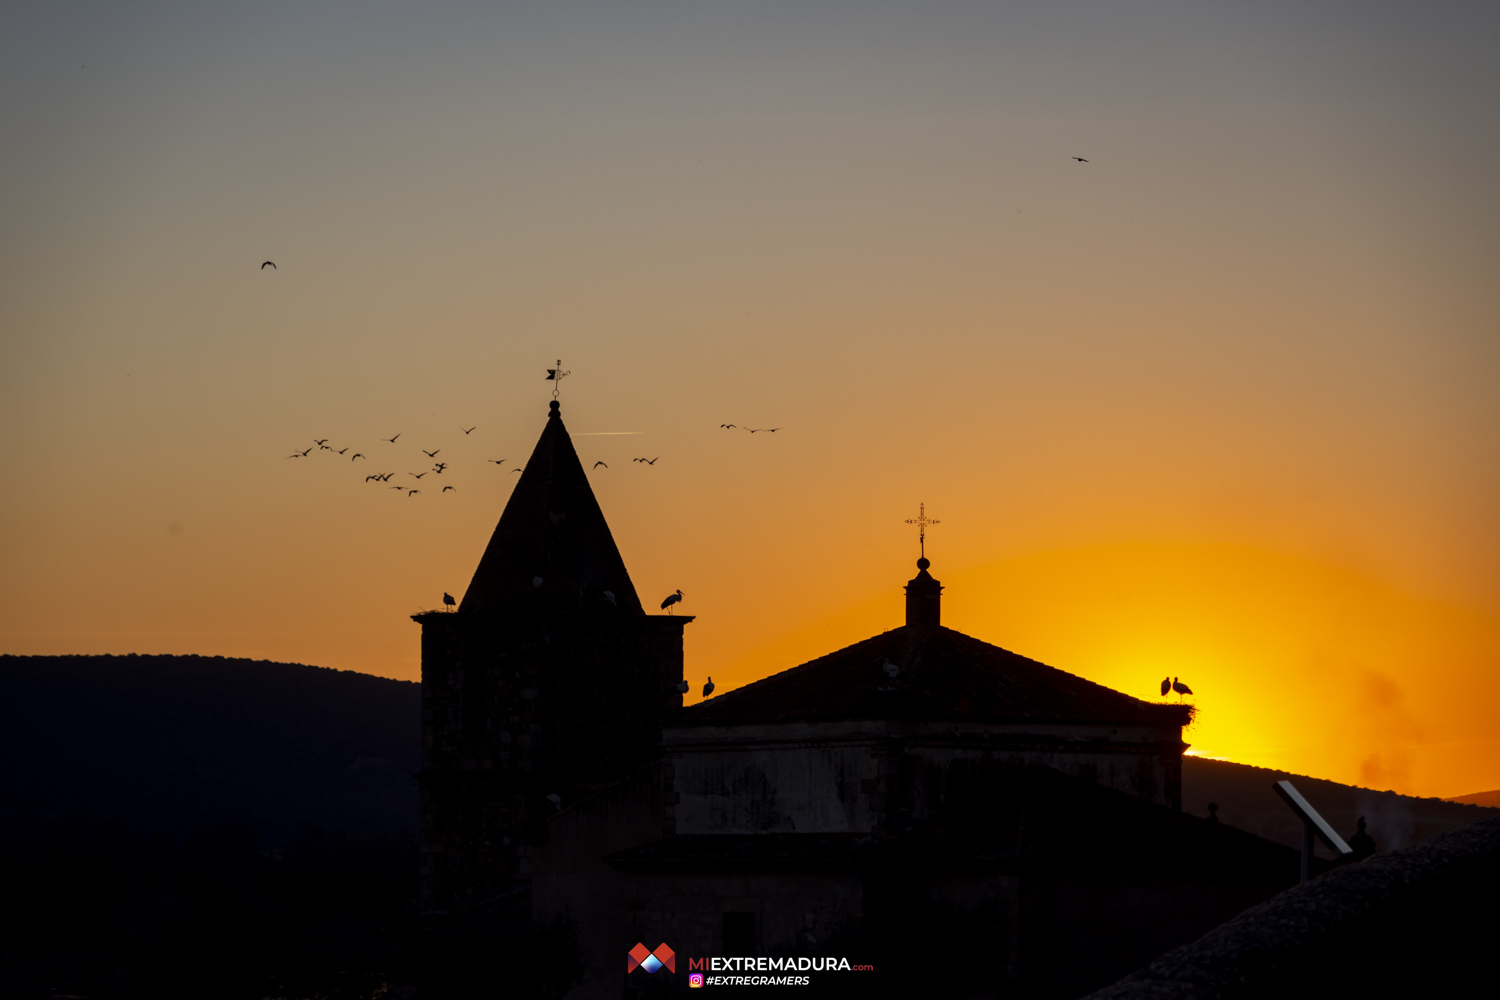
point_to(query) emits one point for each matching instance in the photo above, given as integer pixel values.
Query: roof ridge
(943, 675)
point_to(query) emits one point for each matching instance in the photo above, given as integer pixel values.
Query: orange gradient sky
(1220, 403)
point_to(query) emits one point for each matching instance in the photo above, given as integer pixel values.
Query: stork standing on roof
(671, 600)
(1180, 688)
(708, 688)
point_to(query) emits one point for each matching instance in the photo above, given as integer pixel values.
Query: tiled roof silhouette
(942, 675)
(552, 529)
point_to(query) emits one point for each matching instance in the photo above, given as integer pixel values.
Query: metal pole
(1307, 850)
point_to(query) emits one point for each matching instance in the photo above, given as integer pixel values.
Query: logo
(639, 957)
(696, 980)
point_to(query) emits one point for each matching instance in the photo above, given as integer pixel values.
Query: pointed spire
(552, 537)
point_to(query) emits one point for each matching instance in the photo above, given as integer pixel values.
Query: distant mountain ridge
(180, 742)
(1489, 799)
(1245, 800)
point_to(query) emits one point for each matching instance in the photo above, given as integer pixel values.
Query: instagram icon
(696, 980)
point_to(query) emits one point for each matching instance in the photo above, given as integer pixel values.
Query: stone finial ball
(922, 563)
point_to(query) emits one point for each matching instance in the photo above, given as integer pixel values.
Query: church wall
(802, 789)
(1143, 771)
(516, 707)
(570, 877)
(743, 782)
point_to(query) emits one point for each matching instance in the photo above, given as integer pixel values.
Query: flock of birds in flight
(438, 468)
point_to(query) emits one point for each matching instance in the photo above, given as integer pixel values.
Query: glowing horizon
(1217, 403)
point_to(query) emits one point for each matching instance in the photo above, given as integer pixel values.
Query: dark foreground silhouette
(106, 911)
(186, 826)
(201, 827)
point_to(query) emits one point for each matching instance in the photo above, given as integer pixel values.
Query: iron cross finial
(556, 375)
(922, 521)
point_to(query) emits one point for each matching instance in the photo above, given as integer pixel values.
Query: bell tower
(547, 682)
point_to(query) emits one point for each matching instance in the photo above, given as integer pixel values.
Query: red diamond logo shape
(636, 956)
(666, 956)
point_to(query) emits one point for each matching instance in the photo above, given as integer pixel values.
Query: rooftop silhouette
(552, 529)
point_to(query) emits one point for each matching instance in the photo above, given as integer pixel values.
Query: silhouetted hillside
(1245, 800)
(1490, 799)
(177, 743)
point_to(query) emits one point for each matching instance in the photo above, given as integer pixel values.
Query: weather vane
(922, 521)
(556, 375)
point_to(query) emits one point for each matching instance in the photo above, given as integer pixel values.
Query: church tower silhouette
(548, 682)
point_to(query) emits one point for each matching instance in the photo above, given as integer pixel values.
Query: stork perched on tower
(1180, 688)
(1166, 685)
(448, 601)
(708, 688)
(671, 600)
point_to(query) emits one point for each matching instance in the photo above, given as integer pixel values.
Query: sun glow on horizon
(1218, 403)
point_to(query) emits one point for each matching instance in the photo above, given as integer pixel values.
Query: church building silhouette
(547, 683)
(916, 793)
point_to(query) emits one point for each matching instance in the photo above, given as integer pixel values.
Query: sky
(1218, 403)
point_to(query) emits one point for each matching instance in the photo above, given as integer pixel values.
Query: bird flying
(648, 461)
(392, 440)
(376, 478)
(469, 429)
(727, 425)
(341, 451)
(708, 688)
(387, 478)
(320, 442)
(597, 464)
(270, 263)
(1080, 159)
(431, 454)
(440, 467)
(418, 475)
(757, 430)
(355, 455)
(447, 488)
(516, 469)
(497, 461)
(671, 600)
(412, 492)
